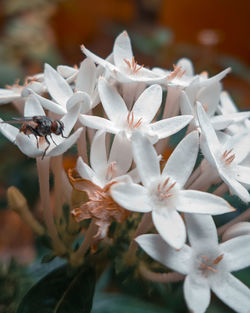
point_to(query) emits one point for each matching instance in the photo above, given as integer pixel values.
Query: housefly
(40, 127)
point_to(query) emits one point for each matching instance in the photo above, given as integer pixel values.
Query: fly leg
(53, 139)
(33, 131)
(47, 140)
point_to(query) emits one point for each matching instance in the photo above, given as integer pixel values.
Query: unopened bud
(16, 200)
(18, 203)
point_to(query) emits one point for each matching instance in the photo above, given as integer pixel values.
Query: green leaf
(64, 290)
(113, 303)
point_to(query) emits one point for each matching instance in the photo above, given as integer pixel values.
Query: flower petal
(233, 293)
(243, 174)
(132, 197)
(237, 252)
(85, 171)
(33, 107)
(169, 126)
(197, 293)
(195, 201)
(171, 227)
(98, 154)
(240, 145)
(122, 49)
(210, 97)
(215, 78)
(121, 154)
(65, 144)
(201, 230)
(235, 187)
(86, 77)
(97, 122)
(28, 145)
(70, 119)
(186, 65)
(148, 103)
(185, 153)
(57, 86)
(159, 250)
(9, 131)
(79, 98)
(112, 102)
(50, 105)
(207, 130)
(146, 158)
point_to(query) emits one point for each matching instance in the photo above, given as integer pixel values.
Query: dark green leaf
(113, 303)
(62, 291)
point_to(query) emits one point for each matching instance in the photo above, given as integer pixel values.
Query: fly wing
(20, 120)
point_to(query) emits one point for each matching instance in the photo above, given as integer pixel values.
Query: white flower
(103, 170)
(206, 264)
(18, 92)
(28, 143)
(228, 108)
(62, 94)
(226, 157)
(139, 118)
(163, 194)
(125, 69)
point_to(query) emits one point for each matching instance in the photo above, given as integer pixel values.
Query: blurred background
(213, 34)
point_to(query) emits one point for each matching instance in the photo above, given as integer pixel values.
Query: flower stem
(76, 258)
(241, 218)
(43, 175)
(170, 277)
(144, 225)
(56, 165)
(221, 190)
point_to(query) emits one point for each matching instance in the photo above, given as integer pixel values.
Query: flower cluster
(122, 128)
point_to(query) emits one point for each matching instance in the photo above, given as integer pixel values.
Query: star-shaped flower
(163, 193)
(226, 157)
(63, 97)
(206, 264)
(36, 147)
(125, 69)
(139, 118)
(106, 169)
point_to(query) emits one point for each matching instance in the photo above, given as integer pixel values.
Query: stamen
(133, 65)
(170, 187)
(227, 157)
(218, 259)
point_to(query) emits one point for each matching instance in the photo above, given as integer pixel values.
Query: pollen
(164, 189)
(177, 72)
(228, 157)
(131, 121)
(209, 266)
(133, 66)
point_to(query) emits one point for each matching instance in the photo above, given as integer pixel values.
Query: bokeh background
(213, 34)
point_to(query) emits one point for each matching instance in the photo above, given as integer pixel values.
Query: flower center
(133, 66)
(177, 72)
(132, 124)
(209, 265)
(228, 157)
(111, 171)
(165, 189)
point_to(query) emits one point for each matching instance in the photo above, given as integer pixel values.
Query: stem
(77, 257)
(43, 176)
(82, 143)
(144, 225)
(57, 169)
(160, 277)
(193, 177)
(221, 190)
(241, 218)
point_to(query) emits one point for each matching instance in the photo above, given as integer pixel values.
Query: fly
(40, 127)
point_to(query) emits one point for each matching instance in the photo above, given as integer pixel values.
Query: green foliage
(113, 303)
(14, 282)
(63, 290)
